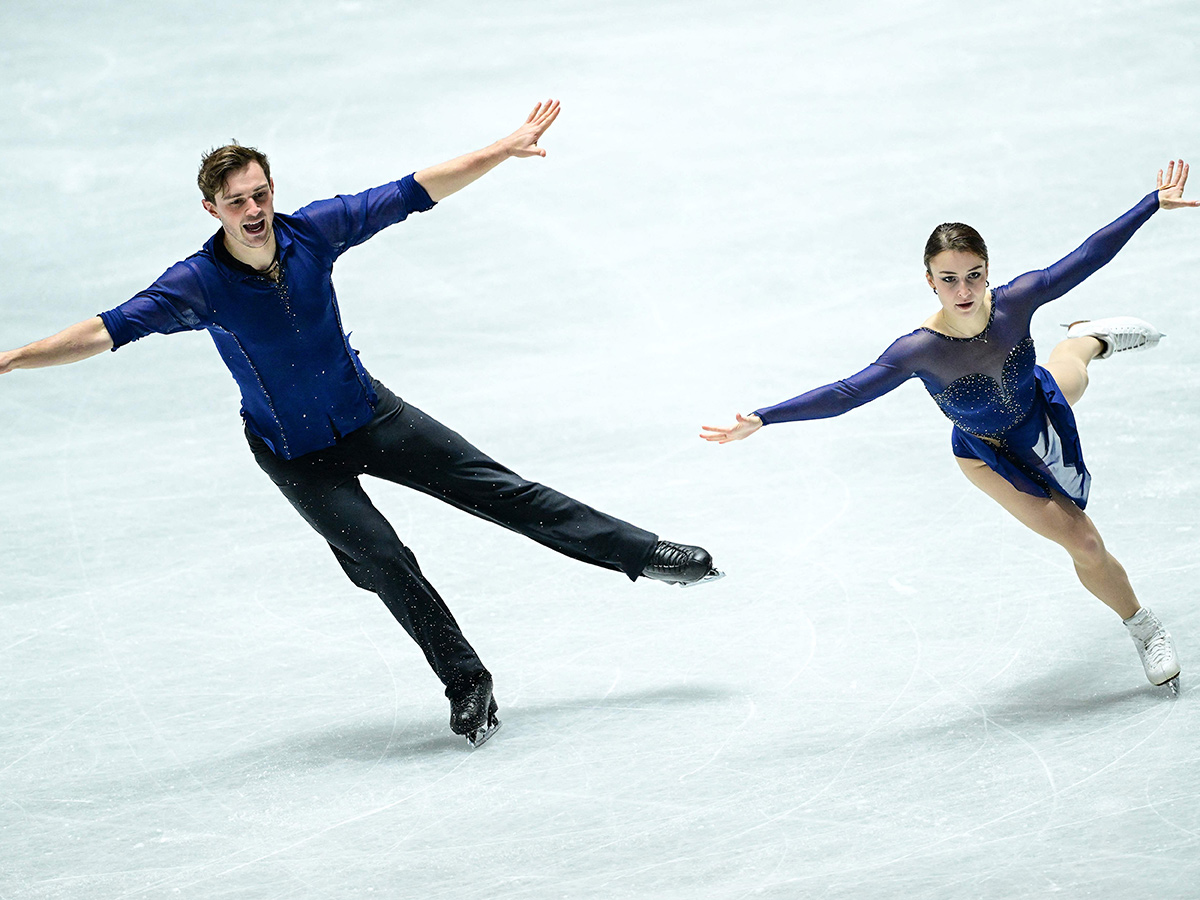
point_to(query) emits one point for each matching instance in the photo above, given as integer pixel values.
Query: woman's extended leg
(1060, 520)
(1099, 338)
(1068, 364)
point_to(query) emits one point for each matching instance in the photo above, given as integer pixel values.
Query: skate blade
(713, 575)
(1173, 686)
(475, 738)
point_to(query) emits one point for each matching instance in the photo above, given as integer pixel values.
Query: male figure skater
(315, 420)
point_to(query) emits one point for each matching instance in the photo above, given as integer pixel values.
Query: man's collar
(234, 266)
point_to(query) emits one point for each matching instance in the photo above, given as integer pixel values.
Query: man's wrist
(494, 153)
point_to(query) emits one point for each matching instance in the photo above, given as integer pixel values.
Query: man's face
(246, 207)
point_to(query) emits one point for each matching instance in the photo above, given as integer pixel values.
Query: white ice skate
(1155, 647)
(1117, 334)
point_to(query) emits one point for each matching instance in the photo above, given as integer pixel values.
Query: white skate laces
(1155, 647)
(1118, 334)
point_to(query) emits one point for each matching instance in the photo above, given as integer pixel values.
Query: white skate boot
(1117, 334)
(1155, 647)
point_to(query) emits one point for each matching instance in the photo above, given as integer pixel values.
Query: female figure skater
(1014, 432)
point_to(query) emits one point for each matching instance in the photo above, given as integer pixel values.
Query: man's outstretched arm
(442, 180)
(81, 340)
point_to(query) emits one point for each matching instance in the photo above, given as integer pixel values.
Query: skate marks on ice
(538, 720)
(534, 722)
(419, 733)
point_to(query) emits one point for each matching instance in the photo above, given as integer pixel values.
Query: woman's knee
(1084, 544)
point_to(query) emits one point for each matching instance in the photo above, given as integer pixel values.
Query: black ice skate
(473, 711)
(681, 564)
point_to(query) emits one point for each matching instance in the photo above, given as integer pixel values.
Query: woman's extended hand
(1170, 190)
(746, 426)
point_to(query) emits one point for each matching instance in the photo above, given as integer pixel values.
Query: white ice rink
(897, 692)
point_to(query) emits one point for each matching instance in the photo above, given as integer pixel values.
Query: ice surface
(897, 692)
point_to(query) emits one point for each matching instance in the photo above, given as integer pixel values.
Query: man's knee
(357, 572)
(371, 564)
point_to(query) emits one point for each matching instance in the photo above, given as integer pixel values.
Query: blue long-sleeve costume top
(301, 382)
(988, 385)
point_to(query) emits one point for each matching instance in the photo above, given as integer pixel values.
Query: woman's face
(960, 279)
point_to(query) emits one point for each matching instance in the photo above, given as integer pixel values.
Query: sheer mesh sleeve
(166, 307)
(1043, 285)
(894, 366)
(349, 219)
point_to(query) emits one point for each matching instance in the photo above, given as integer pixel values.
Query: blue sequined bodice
(979, 404)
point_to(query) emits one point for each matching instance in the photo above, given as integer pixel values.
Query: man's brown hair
(219, 163)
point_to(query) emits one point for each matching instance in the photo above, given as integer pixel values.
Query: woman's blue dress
(1007, 410)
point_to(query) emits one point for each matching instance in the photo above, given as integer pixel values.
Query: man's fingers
(549, 114)
(542, 109)
(539, 120)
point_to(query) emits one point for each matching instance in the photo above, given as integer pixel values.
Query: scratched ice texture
(897, 692)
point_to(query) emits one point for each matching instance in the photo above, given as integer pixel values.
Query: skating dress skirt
(1040, 453)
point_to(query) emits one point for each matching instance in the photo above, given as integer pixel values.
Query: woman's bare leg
(1060, 520)
(1068, 364)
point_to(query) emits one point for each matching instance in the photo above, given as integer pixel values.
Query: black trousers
(403, 445)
